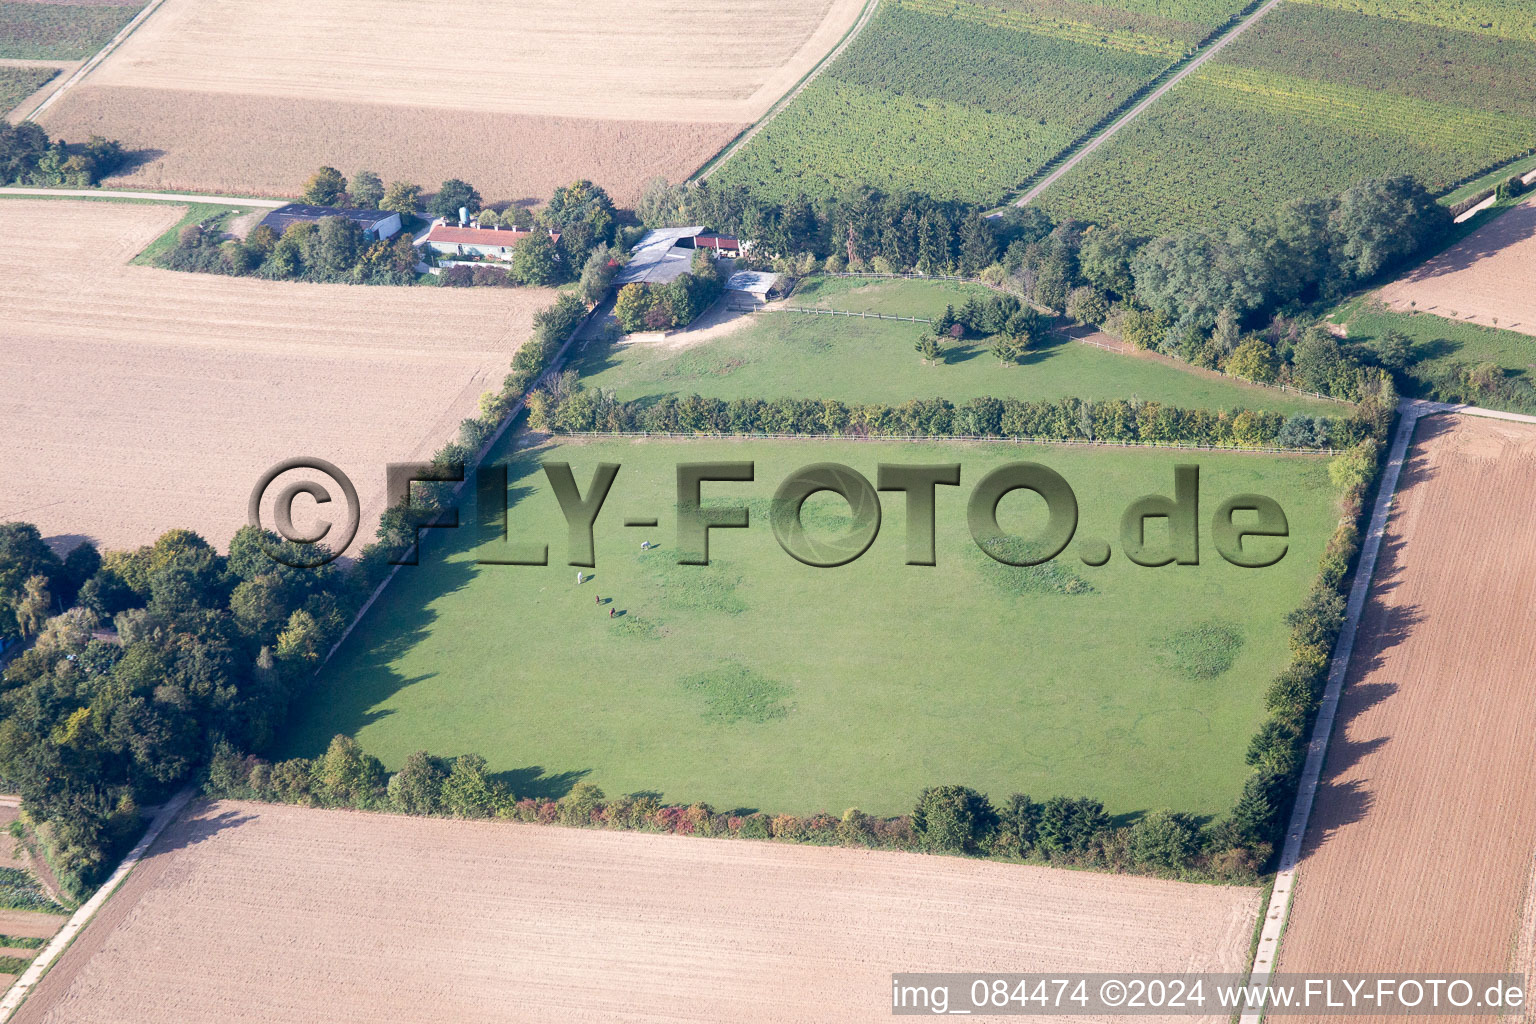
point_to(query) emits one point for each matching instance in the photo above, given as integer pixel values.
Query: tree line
(590, 246)
(566, 406)
(1236, 300)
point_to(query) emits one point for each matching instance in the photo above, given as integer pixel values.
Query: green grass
(22, 942)
(1493, 179)
(857, 360)
(37, 31)
(16, 84)
(1437, 341)
(760, 682)
(1308, 102)
(20, 891)
(197, 213)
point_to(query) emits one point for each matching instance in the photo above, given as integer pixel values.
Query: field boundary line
(151, 197)
(1192, 64)
(87, 910)
(1277, 913)
(731, 148)
(99, 56)
(940, 439)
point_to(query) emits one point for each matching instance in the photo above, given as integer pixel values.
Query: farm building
(665, 254)
(724, 245)
(751, 284)
(376, 224)
(489, 243)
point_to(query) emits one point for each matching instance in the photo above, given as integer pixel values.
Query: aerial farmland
(765, 511)
(522, 102)
(216, 359)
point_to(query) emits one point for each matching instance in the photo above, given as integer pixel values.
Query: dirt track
(258, 914)
(1487, 278)
(1419, 853)
(134, 399)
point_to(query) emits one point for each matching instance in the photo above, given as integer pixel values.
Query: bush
(1163, 840)
(1068, 827)
(953, 819)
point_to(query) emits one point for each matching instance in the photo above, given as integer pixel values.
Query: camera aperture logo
(1248, 530)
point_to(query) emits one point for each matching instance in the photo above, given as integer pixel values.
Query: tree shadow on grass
(350, 693)
(533, 782)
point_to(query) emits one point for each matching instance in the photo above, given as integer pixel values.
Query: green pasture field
(759, 682)
(858, 360)
(16, 84)
(1308, 102)
(1437, 341)
(38, 31)
(960, 100)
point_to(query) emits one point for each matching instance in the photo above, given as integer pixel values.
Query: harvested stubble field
(515, 98)
(1419, 855)
(133, 399)
(258, 913)
(1487, 278)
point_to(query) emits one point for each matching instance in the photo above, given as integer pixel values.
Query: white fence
(828, 312)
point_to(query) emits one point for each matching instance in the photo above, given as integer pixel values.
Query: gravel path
(168, 197)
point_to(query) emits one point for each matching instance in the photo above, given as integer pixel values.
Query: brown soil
(184, 141)
(1488, 278)
(623, 59)
(30, 924)
(133, 400)
(255, 913)
(1421, 843)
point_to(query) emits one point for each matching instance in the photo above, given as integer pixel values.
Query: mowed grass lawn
(857, 360)
(759, 682)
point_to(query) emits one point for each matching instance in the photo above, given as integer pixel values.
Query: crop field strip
(124, 340)
(1406, 97)
(1488, 278)
(17, 83)
(1508, 18)
(961, 99)
(1419, 850)
(55, 31)
(616, 92)
(267, 914)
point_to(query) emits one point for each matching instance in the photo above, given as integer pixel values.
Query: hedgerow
(574, 409)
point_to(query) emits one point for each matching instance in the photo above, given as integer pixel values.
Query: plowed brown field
(257, 913)
(1488, 278)
(184, 142)
(1419, 854)
(492, 91)
(133, 400)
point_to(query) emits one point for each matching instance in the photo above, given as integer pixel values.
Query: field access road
(164, 197)
(1157, 94)
(1277, 914)
(81, 917)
